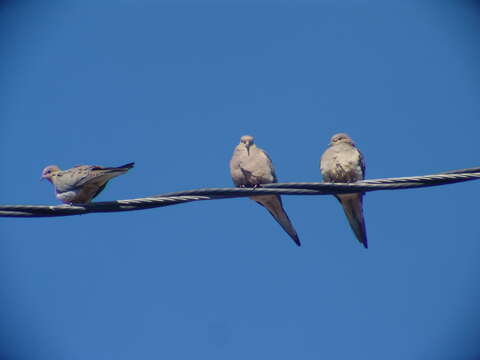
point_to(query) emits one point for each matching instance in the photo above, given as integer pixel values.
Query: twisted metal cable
(297, 188)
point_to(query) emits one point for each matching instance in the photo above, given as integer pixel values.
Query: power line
(296, 188)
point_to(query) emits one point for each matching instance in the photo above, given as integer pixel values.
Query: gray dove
(82, 183)
(250, 166)
(342, 162)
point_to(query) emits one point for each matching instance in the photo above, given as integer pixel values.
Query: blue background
(173, 86)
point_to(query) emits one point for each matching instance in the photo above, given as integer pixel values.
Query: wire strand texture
(295, 188)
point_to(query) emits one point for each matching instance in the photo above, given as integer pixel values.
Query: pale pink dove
(82, 183)
(250, 166)
(342, 162)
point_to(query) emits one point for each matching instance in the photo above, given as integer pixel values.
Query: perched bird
(250, 166)
(82, 183)
(342, 162)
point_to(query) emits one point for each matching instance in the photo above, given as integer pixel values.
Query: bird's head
(50, 171)
(341, 138)
(247, 141)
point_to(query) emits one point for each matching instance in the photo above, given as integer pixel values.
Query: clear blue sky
(172, 86)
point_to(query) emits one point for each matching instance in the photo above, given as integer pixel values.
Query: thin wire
(296, 188)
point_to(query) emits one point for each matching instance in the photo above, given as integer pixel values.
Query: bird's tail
(273, 203)
(353, 208)
(126, 166)
(121, 169)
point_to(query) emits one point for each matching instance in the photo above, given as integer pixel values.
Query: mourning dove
(82, 183)
(250, 166)
(342, 162)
